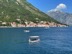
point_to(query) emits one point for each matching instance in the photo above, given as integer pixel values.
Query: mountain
(63, 17)
(10, 10)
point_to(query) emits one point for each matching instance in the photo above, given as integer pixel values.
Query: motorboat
(33, 39)
(26, 31)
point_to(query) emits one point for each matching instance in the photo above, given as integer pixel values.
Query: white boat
(34, 39)
(26, 31)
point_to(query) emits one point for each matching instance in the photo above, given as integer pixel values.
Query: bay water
(52, 40)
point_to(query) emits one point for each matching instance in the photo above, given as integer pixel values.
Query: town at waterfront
(31, 24)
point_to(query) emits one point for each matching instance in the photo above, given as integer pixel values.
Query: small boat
(34, 39)
(26, 31)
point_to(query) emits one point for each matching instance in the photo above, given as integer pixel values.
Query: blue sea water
(52, 41)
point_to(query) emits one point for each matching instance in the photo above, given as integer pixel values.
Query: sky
(48, 5)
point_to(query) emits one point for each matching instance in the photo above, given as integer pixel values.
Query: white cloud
(59, 7)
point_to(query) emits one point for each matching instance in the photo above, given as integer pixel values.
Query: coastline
(30, 27)
(32, 24)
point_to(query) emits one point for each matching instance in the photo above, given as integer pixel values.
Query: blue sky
(46, 5)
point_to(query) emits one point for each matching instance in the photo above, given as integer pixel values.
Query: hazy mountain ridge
(61, 16)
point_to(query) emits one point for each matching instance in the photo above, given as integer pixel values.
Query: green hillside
(10, 10)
